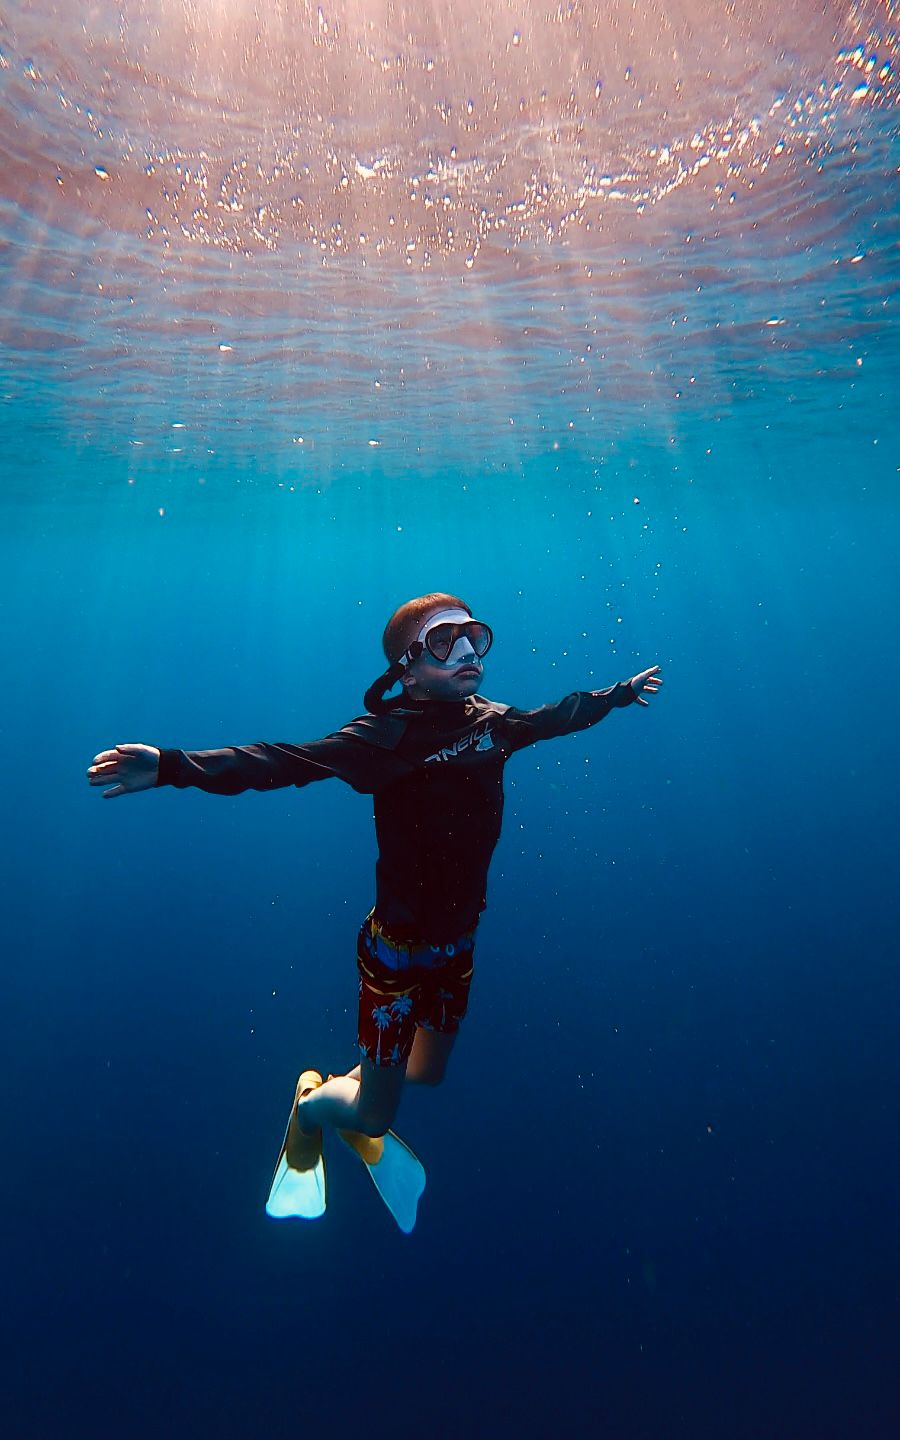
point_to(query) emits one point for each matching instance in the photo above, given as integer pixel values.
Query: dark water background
(663, 1171)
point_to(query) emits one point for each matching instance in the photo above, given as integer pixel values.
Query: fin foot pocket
(369, 1148)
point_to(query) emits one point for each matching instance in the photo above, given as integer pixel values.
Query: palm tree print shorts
(404, 986)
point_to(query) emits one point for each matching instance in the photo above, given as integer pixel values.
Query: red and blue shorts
(402, 987)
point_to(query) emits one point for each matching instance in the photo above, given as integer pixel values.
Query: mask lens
(480, 637)
(442, 638)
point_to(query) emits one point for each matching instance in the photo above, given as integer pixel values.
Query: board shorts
(402, 987)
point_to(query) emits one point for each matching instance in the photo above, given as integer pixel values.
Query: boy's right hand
(131, 767)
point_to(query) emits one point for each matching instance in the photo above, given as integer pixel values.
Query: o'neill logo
(480, 738)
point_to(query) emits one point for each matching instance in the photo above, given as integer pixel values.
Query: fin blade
(399, 1178)
(297, 1193)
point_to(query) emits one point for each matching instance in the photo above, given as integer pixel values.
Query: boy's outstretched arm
(578, 711)
(362, 754)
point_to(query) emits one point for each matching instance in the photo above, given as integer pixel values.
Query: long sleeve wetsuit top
(435, 771)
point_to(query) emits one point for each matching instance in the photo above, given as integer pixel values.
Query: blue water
(662, 1172)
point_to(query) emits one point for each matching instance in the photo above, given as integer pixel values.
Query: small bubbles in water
(101, 172)
(161, 512)
(598, 87)
(374, 445)
(636, 500)
(226, 349)
(177, 424)
(517, 37)
(59, 180)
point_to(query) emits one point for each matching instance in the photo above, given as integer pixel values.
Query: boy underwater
(433, 761)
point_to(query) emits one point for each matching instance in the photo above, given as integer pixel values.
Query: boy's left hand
(649, 680)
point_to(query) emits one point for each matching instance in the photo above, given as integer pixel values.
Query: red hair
(406, 622)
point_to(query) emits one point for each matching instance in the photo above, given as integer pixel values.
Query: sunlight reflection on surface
(426, 131)
(363, 221)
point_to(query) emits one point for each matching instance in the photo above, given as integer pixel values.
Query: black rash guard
(435, 770)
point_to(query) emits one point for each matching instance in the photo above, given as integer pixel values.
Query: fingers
(126, 751)
(649, 680)
(101, 774)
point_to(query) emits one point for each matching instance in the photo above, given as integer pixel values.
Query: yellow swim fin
(298, 1185)
(398, 1174)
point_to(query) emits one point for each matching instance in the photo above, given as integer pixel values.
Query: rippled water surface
(373, 218)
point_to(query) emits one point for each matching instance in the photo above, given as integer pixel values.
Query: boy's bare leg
(428, 1059)
(364, 1100)
(429, 1056)
(367, 1098)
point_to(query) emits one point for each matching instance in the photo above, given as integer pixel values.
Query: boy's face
(455, 678)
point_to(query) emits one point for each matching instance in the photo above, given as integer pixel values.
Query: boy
(433, 761)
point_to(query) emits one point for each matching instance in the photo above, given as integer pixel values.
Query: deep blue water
(663, 1170)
